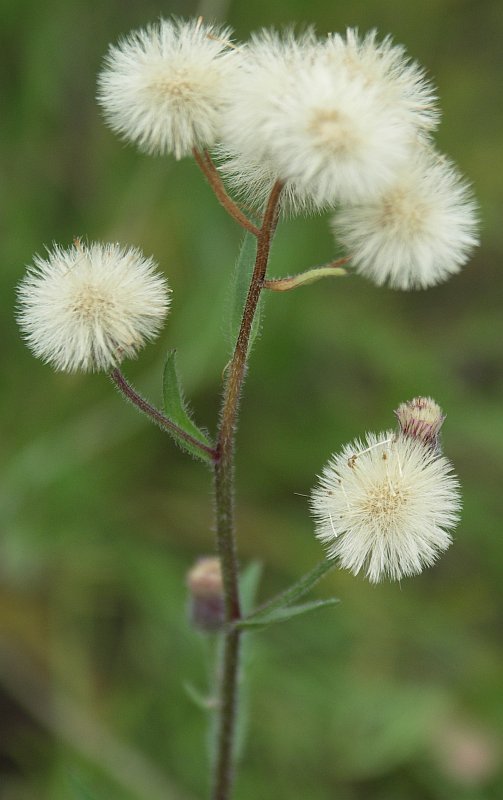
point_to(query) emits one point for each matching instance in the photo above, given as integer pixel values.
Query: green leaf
(243, 272)
(176, 409)
(283, 614)
(296, 591)
(248, 585)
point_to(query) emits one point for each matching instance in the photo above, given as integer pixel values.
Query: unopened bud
(421, 418)
(204, 582)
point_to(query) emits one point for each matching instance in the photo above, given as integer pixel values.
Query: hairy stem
(212, 175)
(224, 500)
(155, 415)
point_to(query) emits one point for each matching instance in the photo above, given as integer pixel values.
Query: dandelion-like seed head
(162, 87)
(419, 231)
(386, 506)
(312, 122)
(90, 306)
(421, 418)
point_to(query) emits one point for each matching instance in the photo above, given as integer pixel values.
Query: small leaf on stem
(333, 270)
(266, 618)
(296, 591)
(176, 409)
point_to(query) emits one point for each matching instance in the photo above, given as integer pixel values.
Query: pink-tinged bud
(205, 585)
(421, 418)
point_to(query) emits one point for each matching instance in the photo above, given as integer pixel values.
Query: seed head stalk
(224, 502)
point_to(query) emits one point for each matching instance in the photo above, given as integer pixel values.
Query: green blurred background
(396, 694)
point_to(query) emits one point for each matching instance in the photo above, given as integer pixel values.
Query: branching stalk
(224, 501)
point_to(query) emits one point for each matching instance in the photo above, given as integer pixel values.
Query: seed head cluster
(345, 122)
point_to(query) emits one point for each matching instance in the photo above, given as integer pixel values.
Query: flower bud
(421, 418)
(205, 586)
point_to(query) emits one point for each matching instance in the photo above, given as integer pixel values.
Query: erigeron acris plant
(288, 125)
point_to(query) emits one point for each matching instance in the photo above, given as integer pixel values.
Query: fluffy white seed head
(296, 115)
(89, 307)
(385, 506)
(401, 83)
(418, 232)
(162, 87)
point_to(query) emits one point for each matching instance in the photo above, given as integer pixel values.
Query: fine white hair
(90, 306)
(385, 506)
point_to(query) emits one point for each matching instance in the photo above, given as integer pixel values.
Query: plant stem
(224, 501)
(212, 175)
(155, 415)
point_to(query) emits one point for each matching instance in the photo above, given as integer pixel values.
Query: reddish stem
(157, 416)
(212, 175)
(224, 495)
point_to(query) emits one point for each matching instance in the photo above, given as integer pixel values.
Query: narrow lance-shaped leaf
(294, 592)
(248, 585)
(243, 272)
(249, 581)
(176, 409)
(284, 614)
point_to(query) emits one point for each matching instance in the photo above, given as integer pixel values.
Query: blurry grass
(394, 695)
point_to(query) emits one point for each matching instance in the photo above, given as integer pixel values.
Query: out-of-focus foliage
(395, 694)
